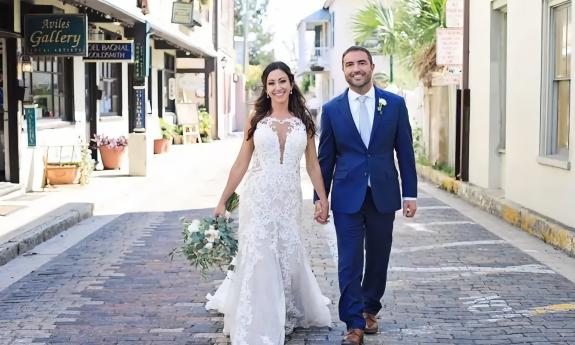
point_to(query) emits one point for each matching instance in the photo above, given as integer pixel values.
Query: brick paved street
(451, 282)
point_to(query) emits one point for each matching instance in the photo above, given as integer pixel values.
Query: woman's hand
(321, 214)
(220, 210)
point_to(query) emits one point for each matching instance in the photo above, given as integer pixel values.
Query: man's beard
(358, 84)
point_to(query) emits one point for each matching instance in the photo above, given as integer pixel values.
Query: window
(111, 87)
(557, 80)
(46, 87)
(499, 67)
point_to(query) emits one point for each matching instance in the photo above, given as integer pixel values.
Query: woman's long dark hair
(296, 102)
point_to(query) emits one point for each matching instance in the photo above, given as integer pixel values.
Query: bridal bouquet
(209, 242)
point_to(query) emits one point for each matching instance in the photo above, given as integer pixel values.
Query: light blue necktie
(364, 123)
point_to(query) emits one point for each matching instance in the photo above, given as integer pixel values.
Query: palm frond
(376, 22)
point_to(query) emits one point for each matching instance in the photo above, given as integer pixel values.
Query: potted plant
(111, 150)
(178, 135)
(68, 170)
(205, 125)
(162, 145)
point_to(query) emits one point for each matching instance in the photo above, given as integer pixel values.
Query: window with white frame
(499, 66)
(556, 86)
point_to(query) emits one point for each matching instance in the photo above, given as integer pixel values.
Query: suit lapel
(377, 116)
(347, 117)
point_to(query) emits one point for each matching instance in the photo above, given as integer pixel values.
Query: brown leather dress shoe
(370, 323)
(353, 337)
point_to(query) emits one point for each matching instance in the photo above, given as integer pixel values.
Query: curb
(551, 232)
(44, 228)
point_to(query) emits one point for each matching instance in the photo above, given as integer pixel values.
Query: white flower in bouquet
(212, 234)
(194, 226)
(209, 245)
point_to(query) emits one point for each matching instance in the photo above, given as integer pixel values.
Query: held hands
(409, 208)
(220, 210)
(321, 214)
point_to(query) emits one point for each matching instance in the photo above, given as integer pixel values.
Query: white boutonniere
(380, 104)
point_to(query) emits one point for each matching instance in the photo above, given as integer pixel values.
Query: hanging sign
(182, 13)
(110, 51)
(55, 34)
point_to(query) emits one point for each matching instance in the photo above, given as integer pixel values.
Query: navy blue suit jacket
(347, 163)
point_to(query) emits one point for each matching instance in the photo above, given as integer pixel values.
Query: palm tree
(376, 22)
(407, 30)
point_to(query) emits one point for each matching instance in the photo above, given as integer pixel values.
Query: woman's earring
(290, 91)
(268, 95)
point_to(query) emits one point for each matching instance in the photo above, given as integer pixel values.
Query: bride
(272, 289)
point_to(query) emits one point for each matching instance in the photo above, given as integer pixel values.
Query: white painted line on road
(446, 245)
(425, 208)
(422, 227)
(459, 222)
(538, 269)
(418, 227)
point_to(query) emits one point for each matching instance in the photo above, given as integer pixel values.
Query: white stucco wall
(545, 189)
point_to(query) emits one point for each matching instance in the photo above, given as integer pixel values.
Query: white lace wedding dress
(272, 288)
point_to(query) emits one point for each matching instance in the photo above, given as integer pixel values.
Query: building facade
(322, 38)
(522, 126)
(137, 67)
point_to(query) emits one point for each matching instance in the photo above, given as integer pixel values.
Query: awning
(181, 40)
(318, 17)
(117, 9)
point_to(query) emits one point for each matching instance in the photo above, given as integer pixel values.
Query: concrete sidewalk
(558, 235)
(40, 216)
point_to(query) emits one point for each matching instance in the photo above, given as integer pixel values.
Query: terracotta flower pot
(66, 174)
(112, 158)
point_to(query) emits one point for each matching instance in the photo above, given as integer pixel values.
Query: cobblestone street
(451, 282)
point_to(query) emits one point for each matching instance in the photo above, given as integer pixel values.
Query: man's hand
(409, 208)
(321, 214)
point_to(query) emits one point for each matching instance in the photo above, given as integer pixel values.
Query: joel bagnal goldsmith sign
(56, 34)
(110, 51)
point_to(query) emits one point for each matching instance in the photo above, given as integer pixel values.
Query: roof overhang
(317, 18)
(109, 7)
(180, 40)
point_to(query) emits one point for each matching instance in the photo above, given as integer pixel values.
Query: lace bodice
(279, 144)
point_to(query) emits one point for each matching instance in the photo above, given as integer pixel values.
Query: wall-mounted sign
(449, 46)
(140, 118)
(183, 13)
(110, 51)
(55, 34)
(454, 13)
(30, 114)
(140, 63)
(172, 89)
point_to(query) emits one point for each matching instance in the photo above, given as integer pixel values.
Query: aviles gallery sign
(56, 34)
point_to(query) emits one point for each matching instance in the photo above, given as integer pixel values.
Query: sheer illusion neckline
(287, 119)
(282, 128)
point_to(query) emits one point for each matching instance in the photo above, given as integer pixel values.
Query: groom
(360, 130)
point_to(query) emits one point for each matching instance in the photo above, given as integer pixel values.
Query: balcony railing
(319, 59)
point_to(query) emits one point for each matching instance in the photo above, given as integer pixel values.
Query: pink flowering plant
(110, 142)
